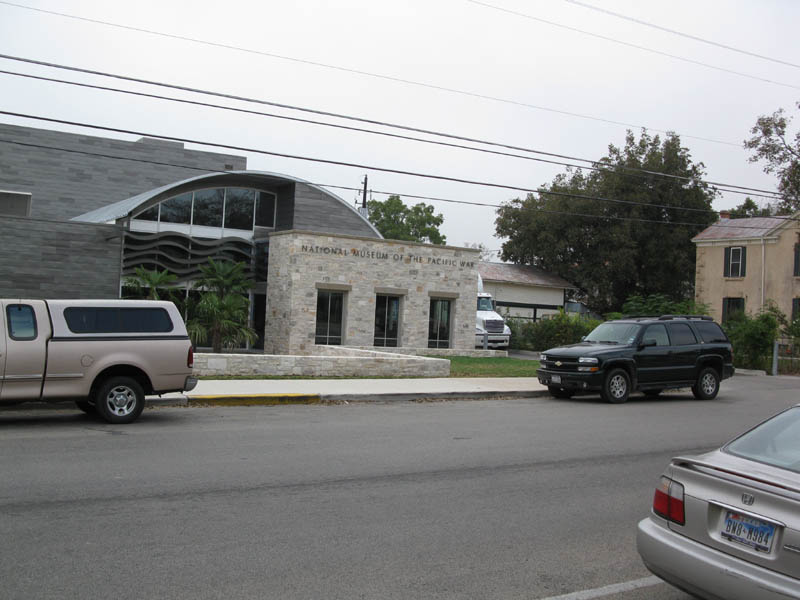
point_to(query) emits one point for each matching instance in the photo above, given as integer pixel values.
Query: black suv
(650, 354)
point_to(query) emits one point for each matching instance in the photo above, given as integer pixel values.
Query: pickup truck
(106, 355)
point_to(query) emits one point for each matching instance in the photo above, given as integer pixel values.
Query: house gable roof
(742, 229)
(521, 275)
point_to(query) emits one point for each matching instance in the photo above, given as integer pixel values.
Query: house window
(387, 320)
(330, 308)
(439, 324)
(731, 306)
(797, 260)
(735, 261)
(795, 309)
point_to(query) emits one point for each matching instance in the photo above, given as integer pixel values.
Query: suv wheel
(616, 387)
(119, 400)
(707, 385)
(557, 392)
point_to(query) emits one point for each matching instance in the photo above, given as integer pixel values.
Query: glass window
(387, 320)
(681, 334)
(21, 322)
(485, 303)
(710, 332)
(731, 306)
(117, 320)
(658, 333)
(265, 209)
(208, 208)
(177, 209)
(614, 333)
(439, 324)
(735, 261)
(330, 307)
(775, 442)
(151, 214)
(239, 208)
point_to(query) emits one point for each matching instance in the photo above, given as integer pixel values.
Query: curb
(307, 399)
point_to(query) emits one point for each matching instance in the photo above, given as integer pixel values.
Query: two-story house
(744, 263)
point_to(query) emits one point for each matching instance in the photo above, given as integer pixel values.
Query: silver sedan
(726, 525)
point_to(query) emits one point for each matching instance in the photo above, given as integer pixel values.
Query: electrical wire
(681, 33)
(630, 45)
(360, 72)
(419, 197)
(722, 187)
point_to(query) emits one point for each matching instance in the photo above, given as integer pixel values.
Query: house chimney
(724, 214)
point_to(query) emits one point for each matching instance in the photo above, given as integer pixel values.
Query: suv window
(658, 333)
(21, 322)
(710, 332)
(681, 334)
(117, 320)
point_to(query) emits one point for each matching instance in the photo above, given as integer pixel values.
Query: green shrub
(559, 330)
(659, 304)
(753, 338)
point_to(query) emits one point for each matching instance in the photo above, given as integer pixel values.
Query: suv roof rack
(670, 317)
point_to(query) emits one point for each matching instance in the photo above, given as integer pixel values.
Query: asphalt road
(510, 499)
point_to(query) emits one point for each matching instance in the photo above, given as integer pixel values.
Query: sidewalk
(335, 391)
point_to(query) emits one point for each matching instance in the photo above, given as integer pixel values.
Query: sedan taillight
(190, 357)
(668, 501)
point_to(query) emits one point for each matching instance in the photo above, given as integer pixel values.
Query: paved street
(526, 498)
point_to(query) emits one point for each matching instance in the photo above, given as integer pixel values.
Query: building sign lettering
(380, 255)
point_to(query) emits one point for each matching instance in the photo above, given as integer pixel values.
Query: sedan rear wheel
(707, 385)
(616, 387)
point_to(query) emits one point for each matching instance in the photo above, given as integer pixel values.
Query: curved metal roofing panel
(125, 208)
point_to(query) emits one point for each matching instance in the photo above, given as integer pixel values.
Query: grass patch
(499, 366)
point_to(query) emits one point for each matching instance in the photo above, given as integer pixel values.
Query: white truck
(106, 355)
(490, 329)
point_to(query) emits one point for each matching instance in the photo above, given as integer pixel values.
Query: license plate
(555, 378)
(755, 533)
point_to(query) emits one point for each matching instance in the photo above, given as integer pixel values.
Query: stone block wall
(301, 263)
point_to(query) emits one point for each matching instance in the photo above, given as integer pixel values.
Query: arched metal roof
(250, 179)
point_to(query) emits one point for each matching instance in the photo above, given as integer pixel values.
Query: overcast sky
(454, 44)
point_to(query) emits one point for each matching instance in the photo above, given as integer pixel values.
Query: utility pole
(364, 197)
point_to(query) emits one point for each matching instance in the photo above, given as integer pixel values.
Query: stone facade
(302, 263)
(330, 361)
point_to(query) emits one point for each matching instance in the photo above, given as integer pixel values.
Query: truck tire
(558, 392)
(707, 385)
(616, 387)
(119, 400)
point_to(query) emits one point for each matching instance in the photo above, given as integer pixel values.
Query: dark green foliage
(781, 153)
(747, 209)
(585, 240)
(753, 339)
(659, 304)
(150, 284)
(396, 221)
(560, 330)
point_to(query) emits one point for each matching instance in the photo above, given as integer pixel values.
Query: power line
(592, 164)
(414, 196)
(680, 33)
(631, 45)
(723, 187)
(360, 72)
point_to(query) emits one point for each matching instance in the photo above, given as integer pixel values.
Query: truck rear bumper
(190, 384)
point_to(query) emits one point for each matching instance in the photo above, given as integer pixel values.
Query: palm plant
(147, 282)
(223, 277)
(224, 318)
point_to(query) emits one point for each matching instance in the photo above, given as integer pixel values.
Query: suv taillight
(668, 501)
(190, 357)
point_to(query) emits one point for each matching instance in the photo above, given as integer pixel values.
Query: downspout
(763, 268)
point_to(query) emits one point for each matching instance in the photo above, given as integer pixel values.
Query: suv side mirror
(647, 342)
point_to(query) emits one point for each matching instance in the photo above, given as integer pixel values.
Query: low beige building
(524, 291)
(744, 263)
(363, 292)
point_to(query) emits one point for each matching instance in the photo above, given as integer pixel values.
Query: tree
(147, 282)
(748, 208)
(781, 153)
(223, 310)
(639, 243)
(396, 221)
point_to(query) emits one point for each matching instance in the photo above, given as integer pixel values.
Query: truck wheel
(119, 400)
(557, 392)
(707, 385)
(616, 387)
(86, 406)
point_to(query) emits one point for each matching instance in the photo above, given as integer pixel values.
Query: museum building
(80, 213)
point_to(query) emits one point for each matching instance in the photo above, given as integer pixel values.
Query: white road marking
(607, 590)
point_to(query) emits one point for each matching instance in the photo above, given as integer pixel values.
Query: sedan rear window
(90, 319)
(775, 442)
